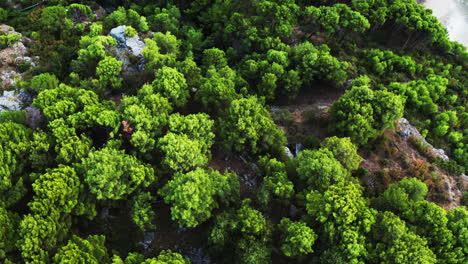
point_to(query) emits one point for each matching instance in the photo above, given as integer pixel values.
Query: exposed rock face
(129, 51)
(406, 130)
(10, 59)
(9, 101)
(119, 34)
(135, 44)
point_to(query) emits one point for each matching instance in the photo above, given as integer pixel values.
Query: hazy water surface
(454, 15)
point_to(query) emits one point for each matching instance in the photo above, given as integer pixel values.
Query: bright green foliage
(92, 50)
(430, 221)
(298, 238)
(197, 127)
(319, 169)
(64, 101)
(142, 212)
(148, 114)
(344, 217)
(8, 40)
(44, 81)
(416, 17)
(376, 11)
(160, 51)
(363, 114)
(18, 117)
(112, 174)
(167, 257)
(275, 181)
(246, 126)
(195, 194)
(217, 91)
(317, 64)
(15, 139)
(80, 9)
(191, 72)
(130, 32)
(56, 190)
(444, 121)
(422, 95)
(392, 242)
(126, 17)
(344, 151)
(276, 73)
(399, 196)
(41, 234)
(339, 17)
(182, 153)
(91, 250)
(108, 70)
(172, 85)
(458, 224)
(384, 61)
(8, 231)
(406, 199)
(132, 258)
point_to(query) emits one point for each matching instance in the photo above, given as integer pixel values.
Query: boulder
(10, 101)
(119, 34)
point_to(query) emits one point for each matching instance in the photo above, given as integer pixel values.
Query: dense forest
(232, 131)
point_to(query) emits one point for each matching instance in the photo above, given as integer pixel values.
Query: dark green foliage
(142, 212)
(246, 230)
(317, 64)
(3, 15)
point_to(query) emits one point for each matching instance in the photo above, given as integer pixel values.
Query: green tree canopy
(319, 169)
(363, 114)
(393, 242)
(172, 85)
(344, 151)
(246, 126)
(298, 238)
(91, 250)
(195, 194)
(112, 174)
(344, 218)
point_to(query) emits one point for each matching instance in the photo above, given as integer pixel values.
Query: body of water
(454, 16)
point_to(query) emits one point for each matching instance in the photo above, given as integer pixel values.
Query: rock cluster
(406, 130)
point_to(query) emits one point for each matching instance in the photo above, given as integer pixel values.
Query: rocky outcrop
(11, 58)
(128, 51)
(134, 44)
(406, 130)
